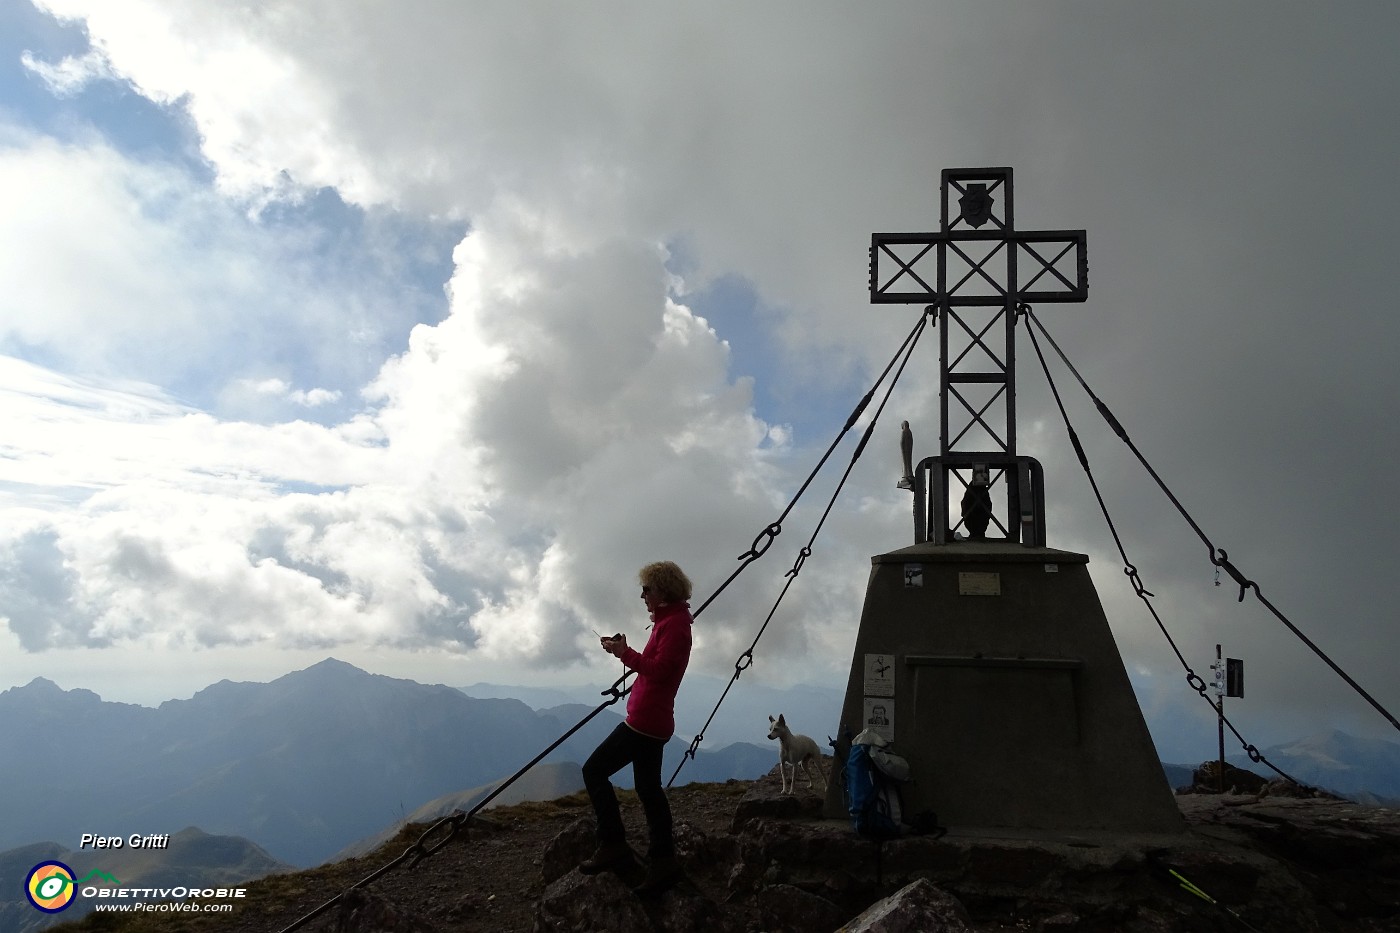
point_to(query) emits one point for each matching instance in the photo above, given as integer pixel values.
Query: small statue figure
(977, 504)
(906, 450)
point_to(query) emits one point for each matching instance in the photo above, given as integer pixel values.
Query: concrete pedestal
(992, 668)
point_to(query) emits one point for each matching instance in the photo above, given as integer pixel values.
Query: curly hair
(668, 580)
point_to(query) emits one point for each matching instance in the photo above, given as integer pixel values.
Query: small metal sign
(879, 717)
(879, 675)
(913, 574)
(979, 584)
(1234, 677)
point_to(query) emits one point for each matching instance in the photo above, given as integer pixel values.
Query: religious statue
(906, 450)
(977, 504)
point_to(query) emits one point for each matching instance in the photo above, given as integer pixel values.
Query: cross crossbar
(930, 260)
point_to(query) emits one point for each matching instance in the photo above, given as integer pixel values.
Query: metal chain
(1192, 678)
(765, 538)
(1221, 561)
(745, 660)
(458, 822)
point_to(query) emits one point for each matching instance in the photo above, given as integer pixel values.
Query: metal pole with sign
(1219, 669)
(1229, 682)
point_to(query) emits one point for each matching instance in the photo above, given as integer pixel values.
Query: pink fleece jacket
(660, 666)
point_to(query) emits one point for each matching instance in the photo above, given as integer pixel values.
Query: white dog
(795, 750)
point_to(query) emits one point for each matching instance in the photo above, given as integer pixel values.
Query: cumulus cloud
(574, 415)
(72, 74)
(133, 268)
(566, 423)
(280, 389)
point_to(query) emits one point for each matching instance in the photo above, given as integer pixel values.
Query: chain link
(1131, 571)
(746, 659)
(761, 543)
(457, 822)
(1222, 561)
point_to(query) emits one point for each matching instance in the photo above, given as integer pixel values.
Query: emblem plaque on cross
(976, 204)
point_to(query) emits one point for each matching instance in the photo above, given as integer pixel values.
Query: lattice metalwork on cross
(975, 272)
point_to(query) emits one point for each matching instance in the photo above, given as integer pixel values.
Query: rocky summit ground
(756, 860)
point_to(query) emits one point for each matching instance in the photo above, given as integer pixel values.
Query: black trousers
(626, 745)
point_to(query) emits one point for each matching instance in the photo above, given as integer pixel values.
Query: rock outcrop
(918, 907)
(1272, 862)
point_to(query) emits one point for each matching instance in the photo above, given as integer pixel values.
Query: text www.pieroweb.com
(167, 907)
(157, 900)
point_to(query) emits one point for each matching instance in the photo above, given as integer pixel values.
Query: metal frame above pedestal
(980, 278)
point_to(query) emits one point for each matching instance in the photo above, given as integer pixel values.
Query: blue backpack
(872, 797)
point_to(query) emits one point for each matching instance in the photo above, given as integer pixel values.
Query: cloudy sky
(405, 333)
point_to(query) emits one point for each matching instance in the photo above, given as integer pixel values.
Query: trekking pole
(1192, 889)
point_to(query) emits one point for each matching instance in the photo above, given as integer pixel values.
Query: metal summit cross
(977, 271)
(977, 654)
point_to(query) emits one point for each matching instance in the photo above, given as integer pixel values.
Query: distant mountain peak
(333, 666)
(328, 671)
(41, 688)
(39, 685)
(1331, 740)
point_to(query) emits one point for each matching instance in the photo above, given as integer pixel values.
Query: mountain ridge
(319, 758)
(303, 765)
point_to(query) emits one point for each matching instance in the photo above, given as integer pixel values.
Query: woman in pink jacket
(642, 737)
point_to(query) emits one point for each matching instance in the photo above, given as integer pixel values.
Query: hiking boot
(610, 856)
(662, 873)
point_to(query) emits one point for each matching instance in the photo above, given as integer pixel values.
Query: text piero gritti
(134, 841)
